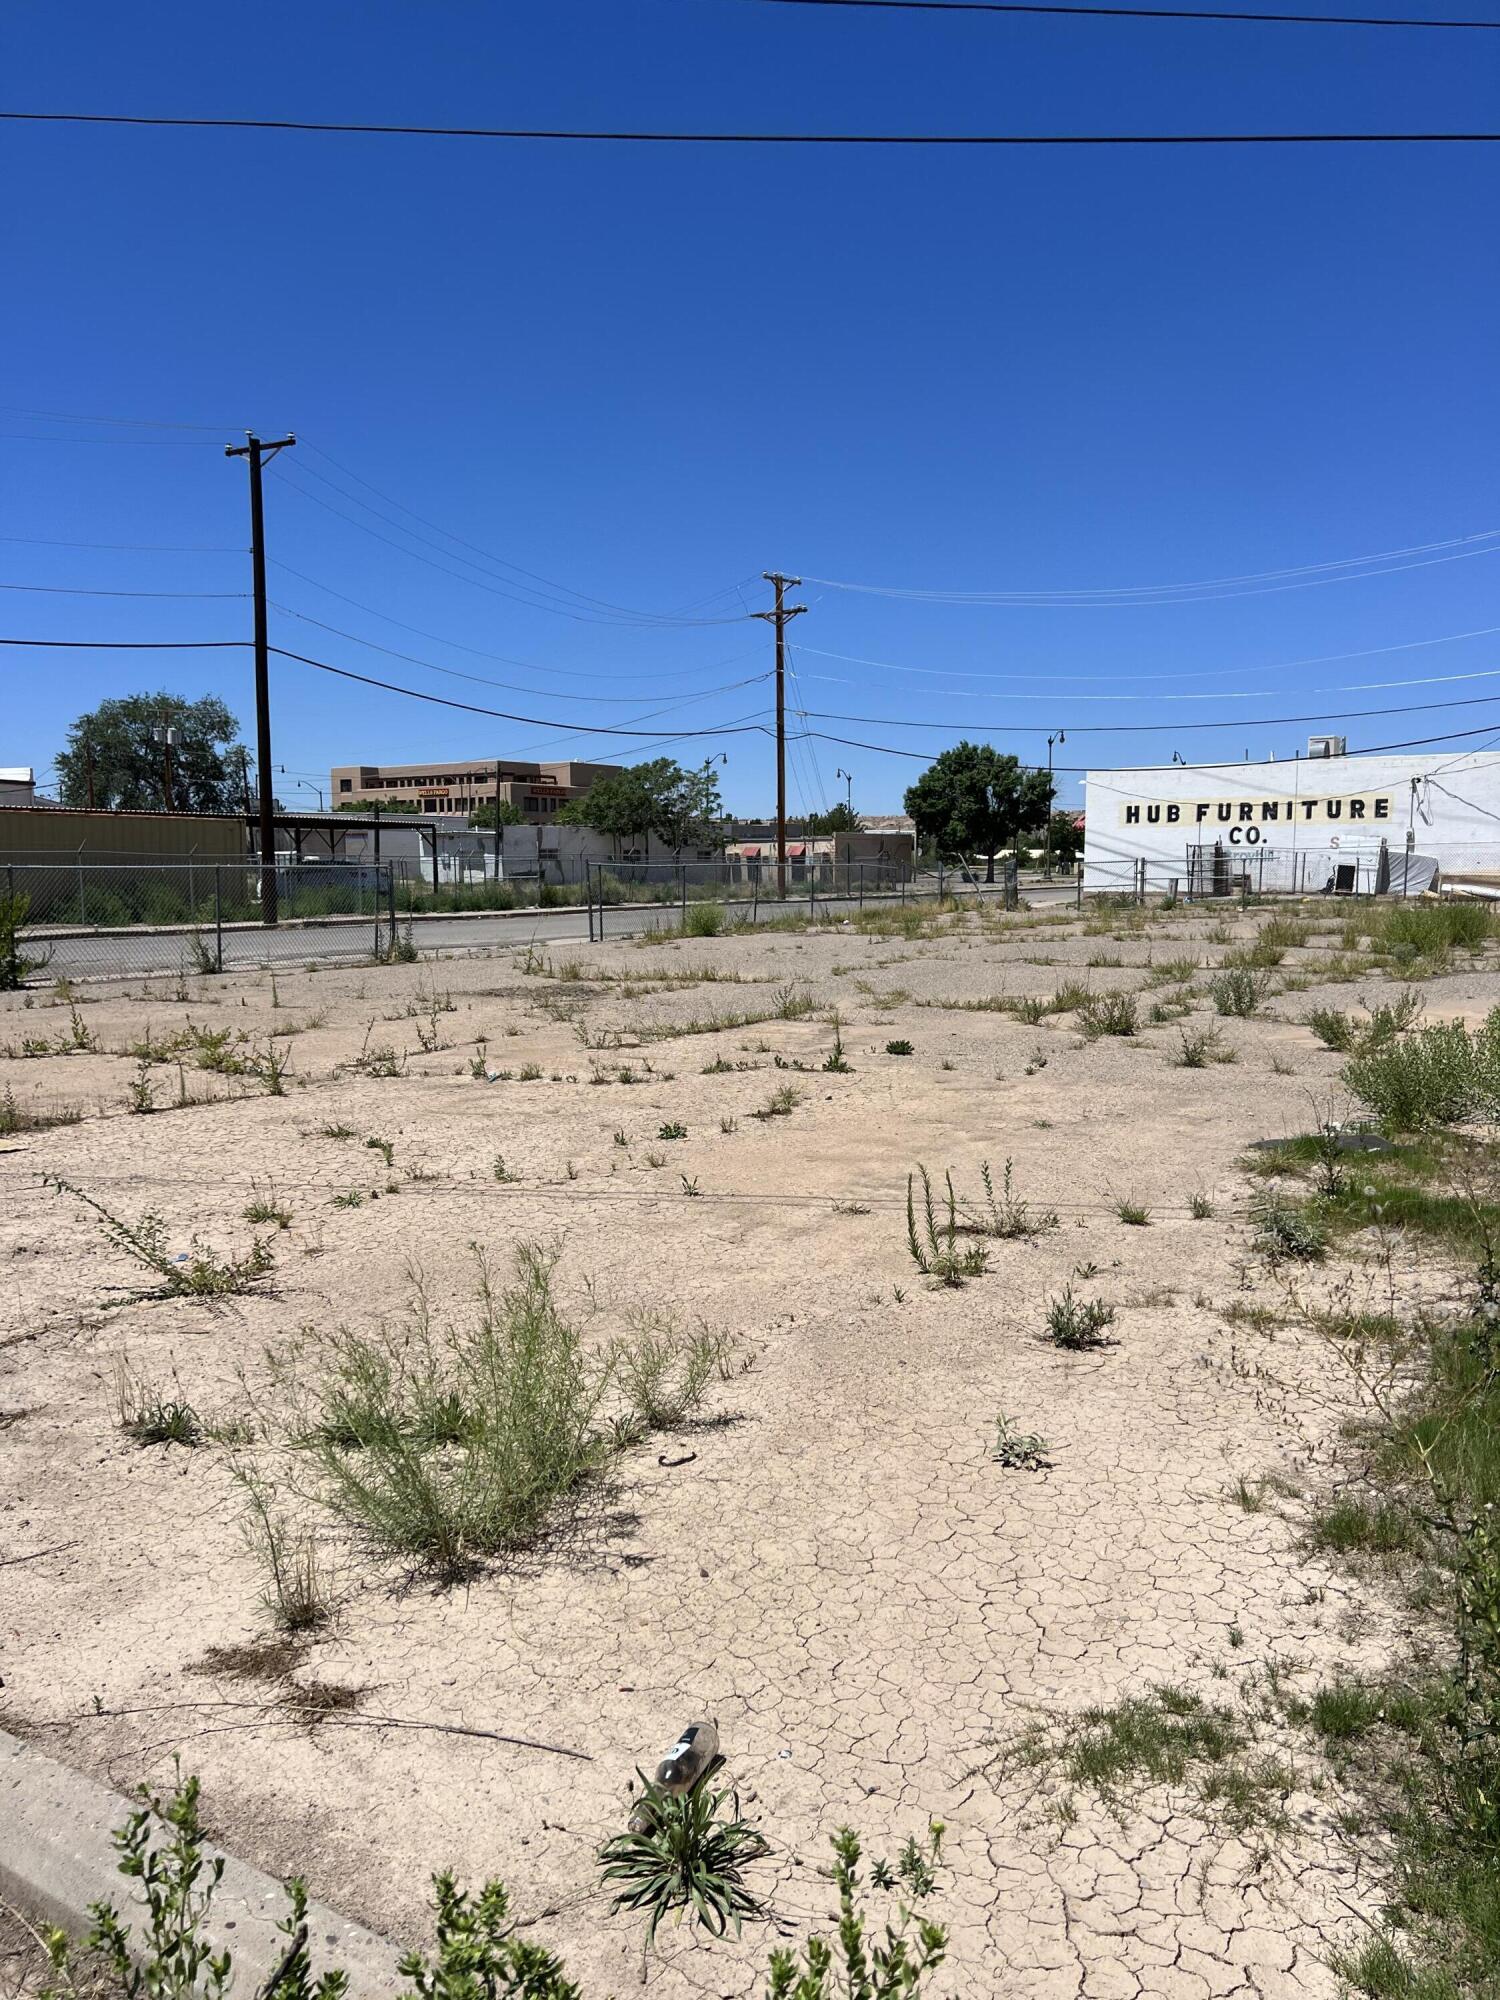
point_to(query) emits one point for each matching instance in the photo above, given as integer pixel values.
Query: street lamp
(1059, 736)
(848, 777)
(722, 757)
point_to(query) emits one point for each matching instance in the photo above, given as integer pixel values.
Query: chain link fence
(84, 919)
(705, 896)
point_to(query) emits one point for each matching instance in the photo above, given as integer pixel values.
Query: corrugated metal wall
(40, 833)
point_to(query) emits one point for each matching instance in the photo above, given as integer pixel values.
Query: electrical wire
(1213, 694)
(1167, 728)
(1084, 770)
(595, 603)
(480, 680)
(1141, 13)
(66, 590)
(131, 548)
(498, 659)
(141, 423)
(479, 581)
(642, 138)
(1263, 583)
(1121, 673)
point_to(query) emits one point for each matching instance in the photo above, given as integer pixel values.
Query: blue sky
(649, 374)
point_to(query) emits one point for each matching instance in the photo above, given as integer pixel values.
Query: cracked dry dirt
(841, 1574)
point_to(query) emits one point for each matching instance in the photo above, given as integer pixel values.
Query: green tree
(386, 805)
(837, 819)
(502, 811)
(974, 799)
(116, 743)
(680, 807)
(1066, 840)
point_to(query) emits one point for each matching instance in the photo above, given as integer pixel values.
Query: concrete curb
(56, 1857)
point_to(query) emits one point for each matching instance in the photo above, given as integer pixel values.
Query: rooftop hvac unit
(1327, 746)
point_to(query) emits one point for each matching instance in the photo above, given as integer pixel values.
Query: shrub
(1238, 990)
(1289, 1229)
(898, 1048)
(1006, 1215)
(1201, 1047)
(1442, 1075)
(457, 1446)
(664, 1374)
(197, 1273)
(1079, 1324)
(703, 920)
(1333, 1028)
(16, 966)
(1423, 930)
(1108, 1014)
(147, 1416)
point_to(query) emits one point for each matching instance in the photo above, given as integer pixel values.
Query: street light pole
(1060, 736)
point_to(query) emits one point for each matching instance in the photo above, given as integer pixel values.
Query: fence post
(390, 899)
(219, 916)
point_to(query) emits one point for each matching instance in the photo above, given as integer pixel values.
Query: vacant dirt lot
(833, 1563)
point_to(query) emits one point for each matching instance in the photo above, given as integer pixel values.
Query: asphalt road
(140, 954)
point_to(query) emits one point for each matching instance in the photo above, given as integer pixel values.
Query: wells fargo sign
(1243, 822)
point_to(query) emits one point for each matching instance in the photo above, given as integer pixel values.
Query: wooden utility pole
(778, 617)
(258, 453)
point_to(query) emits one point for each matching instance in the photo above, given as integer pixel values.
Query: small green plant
(140, 1098)
(298, 1593)
(689, 1856)
(1134, 1213)
(704, 919)
(1202, 1046)
(1018, 1450)
(16, 965)
(892, 1966)
(1108, 1014)
(384, 1147)
(1287, 1229)
(195, 1273)
(529, 1073)
(1238, 990)
(787, 1004)
(782, 1102)
(148, 1416)
(1006, 1215)
(934, 1244)
(1439, 1075)
(835, 1061)
(265, 1205)
(1333, 1028)
(337, 1132)
(349, 1198)
(1079, 1324)
(1200, 1208)
(898, 1048)
(671, 1131)
(665, 1373)
(728, 1126)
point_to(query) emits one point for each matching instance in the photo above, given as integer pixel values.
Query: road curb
(57, 1857)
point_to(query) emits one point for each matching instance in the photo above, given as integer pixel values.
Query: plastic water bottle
(688, 1758)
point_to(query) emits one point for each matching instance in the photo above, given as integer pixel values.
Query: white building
(1315, 823)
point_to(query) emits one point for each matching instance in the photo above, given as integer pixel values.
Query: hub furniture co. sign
(1242, 822)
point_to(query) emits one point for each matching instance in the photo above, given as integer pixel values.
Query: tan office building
(537, 791)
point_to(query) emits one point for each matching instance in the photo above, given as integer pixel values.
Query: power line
(760, 138)
(739, 728)
(597, 603)
(1083, 770)
(67, 590)
(132, 645)
(141, 423)
(476, 652)
(481, 581)
(131, 548)
(1140, 13)
(1301, 576)
(1161, 728)
(1051, 680)
(480, 680)
(1211, 694)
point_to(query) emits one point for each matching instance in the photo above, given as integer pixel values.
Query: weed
(1440, 1075)
(1018, 1450)
(1202, 1047)
(1239, 990)
(1353, 1525)
(1108, 1014)
(1133, 1213)
(267, 1206)
(780, 1104)
(729, 1125)
(672, 1131)
(664, 1373)
(501, 1172)
(1070, 997)
(529, 1073)
(834, 1061)
(17, 1118)
(1006, 1216)
(147, 1416)
(689, 1854)
(454, 1446)
(298, 1592)
(1200, 1208)
(16, 965)
(934, 1247)
(787, 1004)
(140, 1098)
(898, 1048)
(1079, 1324)
(1287, 1229)
(350, 1198)
(655, 1159)
(384, 1147)
(197, 1273)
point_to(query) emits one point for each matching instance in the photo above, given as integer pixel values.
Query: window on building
(346, 784)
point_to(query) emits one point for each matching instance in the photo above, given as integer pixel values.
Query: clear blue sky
(650, 374)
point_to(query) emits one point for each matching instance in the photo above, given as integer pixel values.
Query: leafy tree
(838, 819)
(503, 811)
(974, 799)
(680, 807)
(1066, 839)
(128, 764)
(386, 805)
